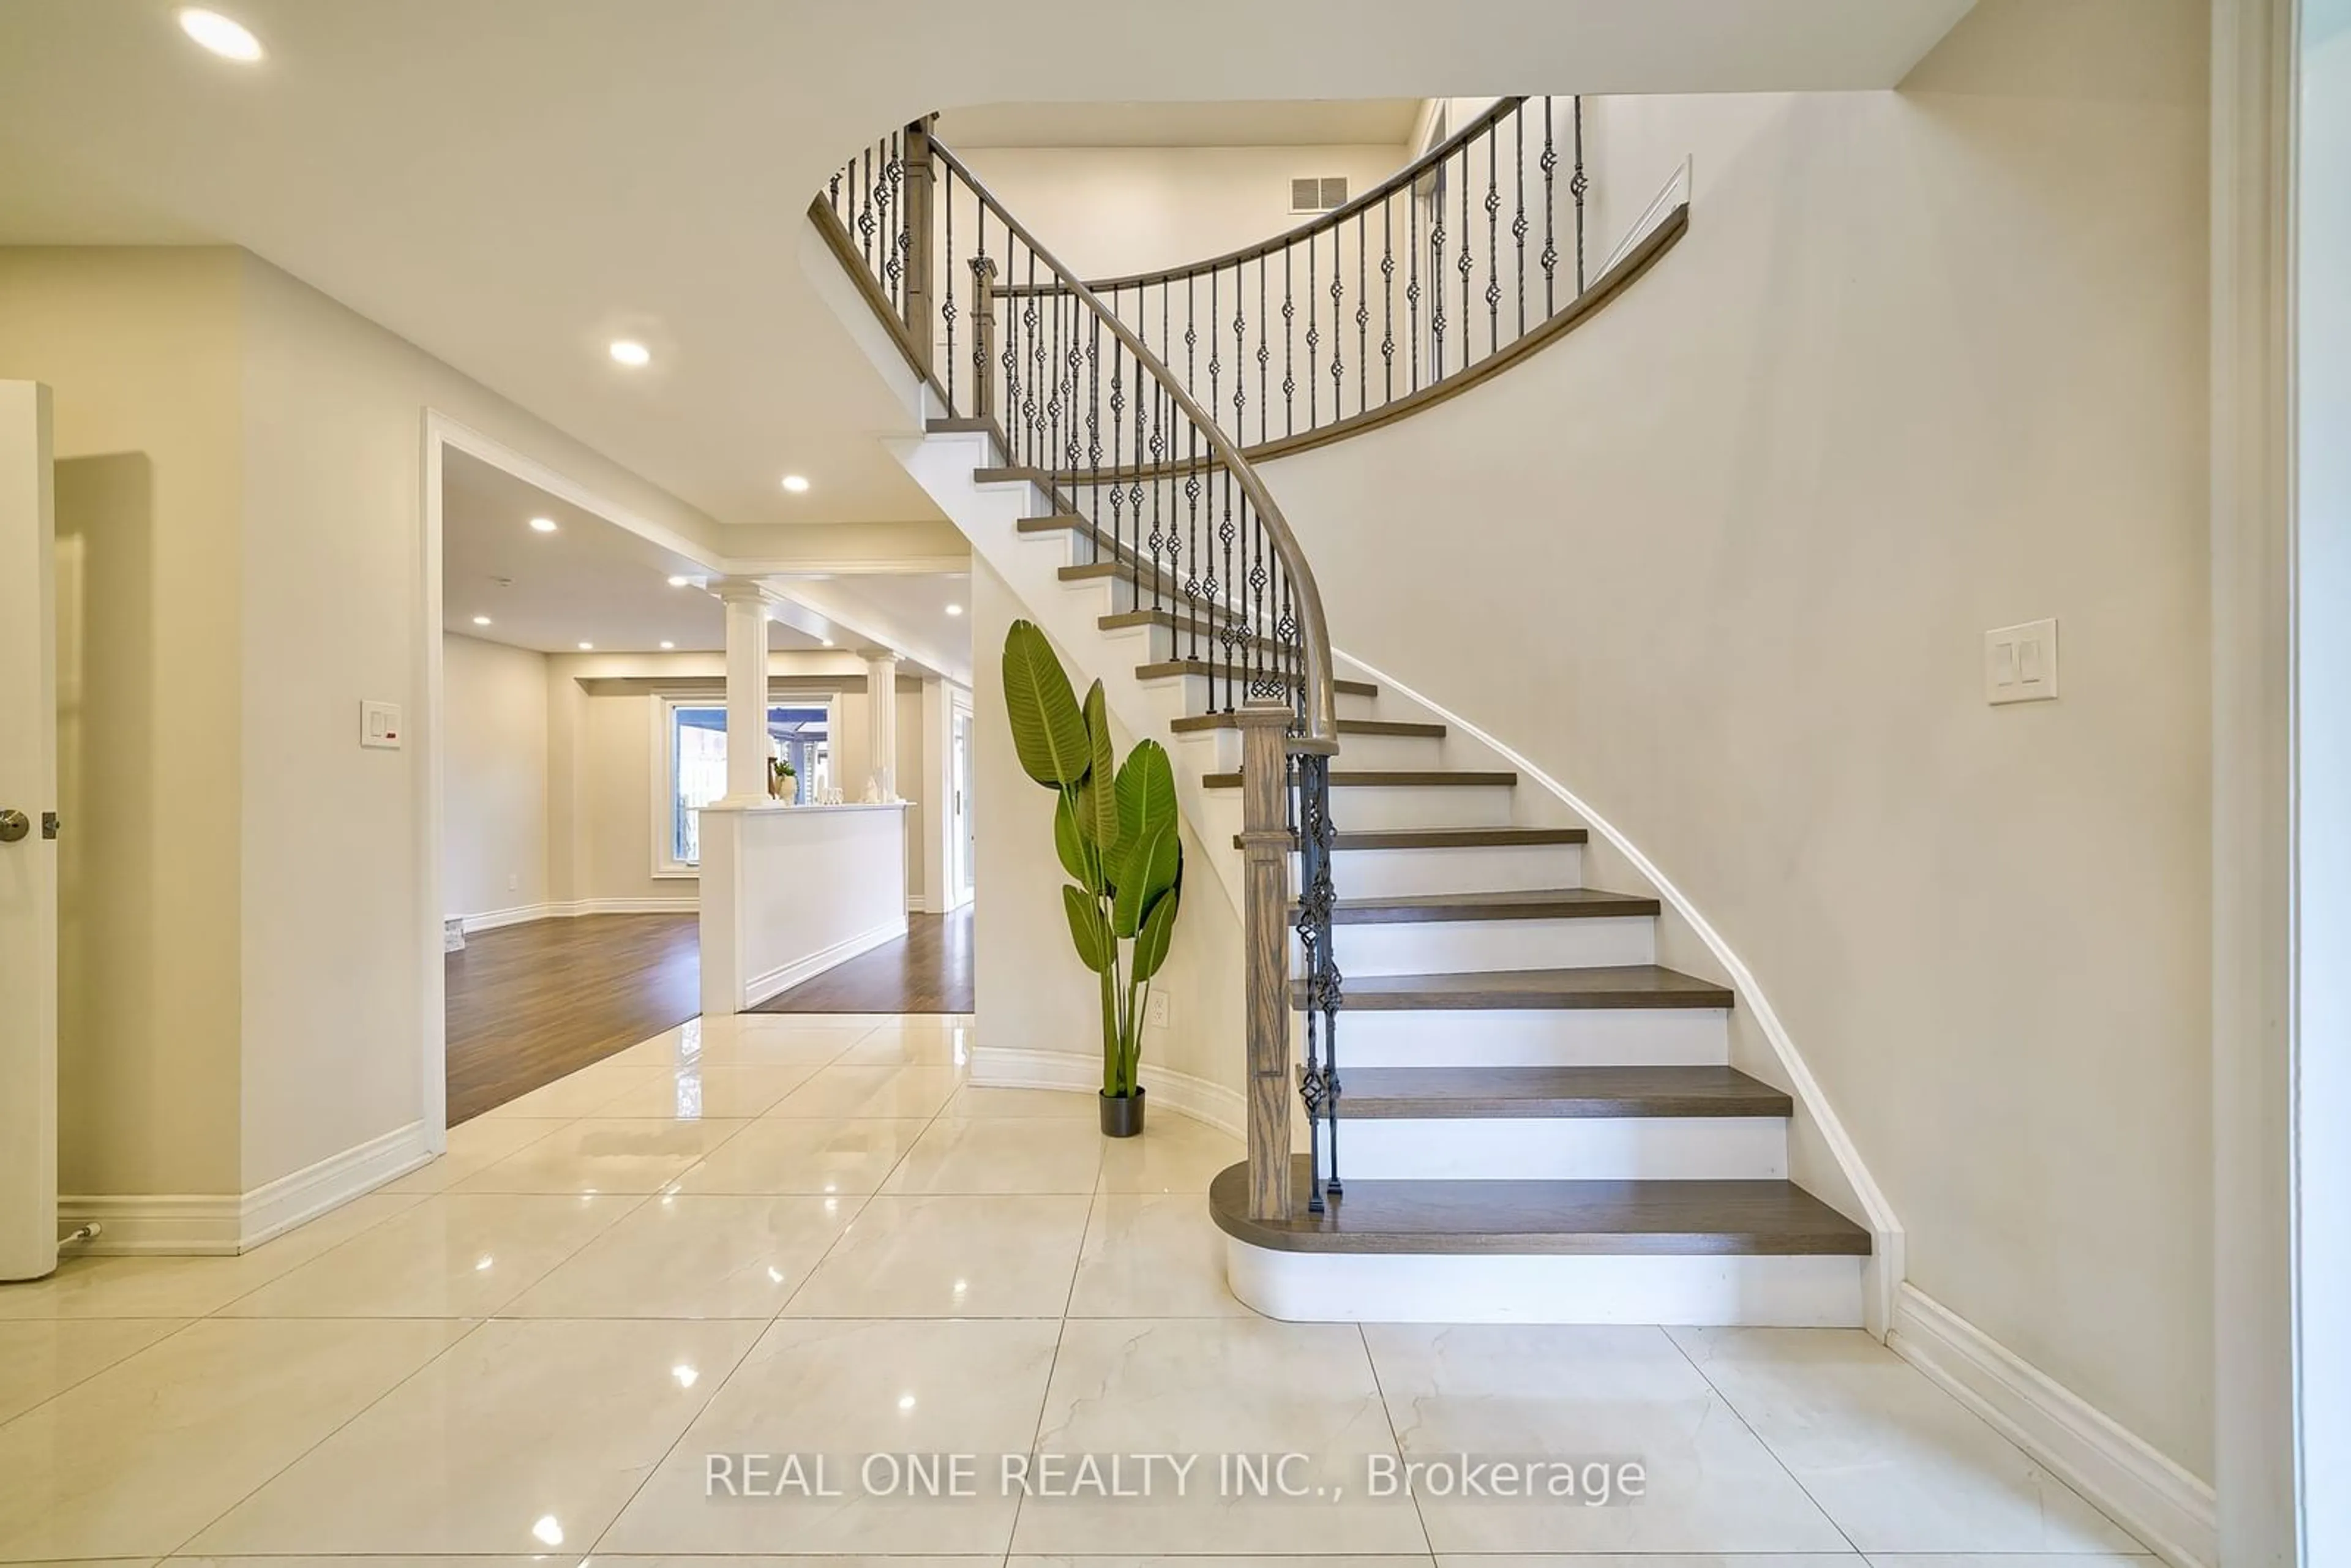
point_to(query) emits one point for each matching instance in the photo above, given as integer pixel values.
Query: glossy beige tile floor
(811, 1235)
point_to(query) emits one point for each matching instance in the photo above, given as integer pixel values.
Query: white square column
(882, 721)
(746, 690)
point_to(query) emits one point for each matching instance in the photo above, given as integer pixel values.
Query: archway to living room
(582, 733)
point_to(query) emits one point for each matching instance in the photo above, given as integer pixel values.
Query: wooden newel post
(1265, 940)
(983, 337)
(917, 296)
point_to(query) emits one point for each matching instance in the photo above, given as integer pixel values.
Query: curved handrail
(1327, 222)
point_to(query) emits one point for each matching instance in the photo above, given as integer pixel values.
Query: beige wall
(1927, 363)
(142, 347)
(1113, 210)
(493, 777)
(1030, 991)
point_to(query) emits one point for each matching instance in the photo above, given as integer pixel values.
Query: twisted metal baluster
(1436, 279)
(1318, 1079)
(1314, 335)
(1387, 296)
(1519, 221)
(1264, 349)
(1577, 186)
(1493, 244)
(947, 306)
(1550, 162)
(1466, 266)
(1288, 331)
(1362, 319)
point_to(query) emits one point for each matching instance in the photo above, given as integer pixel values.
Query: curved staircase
(1512, 1111)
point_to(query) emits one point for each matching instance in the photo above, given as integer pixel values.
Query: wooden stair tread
(1457, 838)
(1171, 667)
(1194, 723)
(1596, 985)
(1387, 1093)
(1516, 904)
(940, 426)
(1377, 779)
(1774, 1218)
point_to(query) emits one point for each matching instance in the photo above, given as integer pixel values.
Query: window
(693, 768)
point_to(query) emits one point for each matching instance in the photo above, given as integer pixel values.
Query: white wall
(2325, 683)
(493, 777)
(1927, 363)
(1107, 211)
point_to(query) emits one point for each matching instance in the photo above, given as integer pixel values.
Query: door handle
(14, 825)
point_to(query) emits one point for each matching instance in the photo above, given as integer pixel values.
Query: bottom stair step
(1611, 1218)
(1697, 1253)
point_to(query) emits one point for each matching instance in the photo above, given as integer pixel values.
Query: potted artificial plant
(1115, 832)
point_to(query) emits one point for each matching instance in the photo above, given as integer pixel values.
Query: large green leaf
(1069, 844)
(1049, 731)
(1087, 931)
(1158, 930)
(1150, 848)
(1099, 804)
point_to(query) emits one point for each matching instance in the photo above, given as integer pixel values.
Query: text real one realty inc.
(1593, 1482)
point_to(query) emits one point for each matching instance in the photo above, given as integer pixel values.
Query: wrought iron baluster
(1436, 278)
(1412, 290)
(1264, 351)
(1314, 335)
(1550, 239)
(1577, 186)
(865, 210)
(1363, 318)
(1493, 246)
(1387, 298)
(947, 306)
(1118, 444)
(1519, 221)
(1288, 331)
(1465, 265)
(1203, 591)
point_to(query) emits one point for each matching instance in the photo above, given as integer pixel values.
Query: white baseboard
(1007, 1067)
(2146, 1493)
(759, 988)
(571, 909)
(221, 1225)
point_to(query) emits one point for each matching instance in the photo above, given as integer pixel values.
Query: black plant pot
(1122, 1114)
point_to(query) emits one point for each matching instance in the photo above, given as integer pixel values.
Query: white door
(960, 829)
(29, 852)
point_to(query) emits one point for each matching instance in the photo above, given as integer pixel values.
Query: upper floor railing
(1473, 252)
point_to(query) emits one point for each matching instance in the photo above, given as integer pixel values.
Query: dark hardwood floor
(928, 970)
(528, 1004)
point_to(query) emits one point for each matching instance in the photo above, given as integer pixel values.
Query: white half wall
(1928, 362)
(788, 891)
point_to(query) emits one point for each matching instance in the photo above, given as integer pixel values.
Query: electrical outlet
(1162, 1012)
(514, 880)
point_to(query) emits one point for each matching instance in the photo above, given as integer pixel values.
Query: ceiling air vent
(1318, 195)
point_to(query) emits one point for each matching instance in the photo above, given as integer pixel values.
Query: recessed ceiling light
(212, 31)
(828, 641)
(481, 619)
(955, 609)
(629, 352)
(669, 644)
(542, 525)
(679, 582)
(797, 484)
(587, 647)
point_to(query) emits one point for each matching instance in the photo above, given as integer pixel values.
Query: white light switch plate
(380, 726)
(2021, 662)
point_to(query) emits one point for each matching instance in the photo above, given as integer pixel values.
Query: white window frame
(665, 866)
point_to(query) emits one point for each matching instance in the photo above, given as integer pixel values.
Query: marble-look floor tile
(474, 1147)
(459, 1255)
(950, 1258)
(1661, 1560)
(43, 1358)
(600, 1156)
(1001, 1154)
(138, 1458)
(1897, 1462)
(696, 1093)
(1153, 1255)
(845, 1390)
(2012, 1560)
(994, 1099)
(574, 1095)
(1175, 1154)
(1606, 1395)
(805, 1154)
(142, 1287)
(844, 1092)
(889, 1046)
(1242, 1561)
(526, 1436)
(1216, 1388)
(692, 1257)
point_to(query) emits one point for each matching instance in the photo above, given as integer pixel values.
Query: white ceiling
(592, 581)
(512, 183)
(1290, 122)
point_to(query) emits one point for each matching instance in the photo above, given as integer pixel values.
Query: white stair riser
(1358, 807)
(1561, 1148)
(1496, 868)
(1583, 1037)
(1391, 751)
(1704, 1290)
(1201, 695)
(1482, 947)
